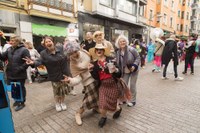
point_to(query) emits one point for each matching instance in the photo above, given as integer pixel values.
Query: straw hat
(99, 46)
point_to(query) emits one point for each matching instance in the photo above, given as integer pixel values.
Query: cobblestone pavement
(163, 106)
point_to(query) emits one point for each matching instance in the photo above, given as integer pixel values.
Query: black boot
(117, 113)
(102, 121)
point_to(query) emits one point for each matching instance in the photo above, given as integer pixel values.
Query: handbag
(16, 91)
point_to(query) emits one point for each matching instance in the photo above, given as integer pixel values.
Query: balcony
(12, 3)
(143, 2)
(51, 8)
(193, 18)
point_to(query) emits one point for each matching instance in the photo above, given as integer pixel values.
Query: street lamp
(149, 27)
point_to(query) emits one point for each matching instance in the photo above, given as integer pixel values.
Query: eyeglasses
(99, 49)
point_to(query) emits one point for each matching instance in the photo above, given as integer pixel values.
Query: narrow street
(166, 106)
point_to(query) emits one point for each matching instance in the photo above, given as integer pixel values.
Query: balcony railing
(53, 4)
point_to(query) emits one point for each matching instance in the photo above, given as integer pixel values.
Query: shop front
(111, 27)
(39, 31)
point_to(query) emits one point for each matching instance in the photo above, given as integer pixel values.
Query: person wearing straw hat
(105, 71)
(79, 62)
(98, 37)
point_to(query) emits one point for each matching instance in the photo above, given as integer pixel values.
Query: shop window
(88, 27)
(116, 32)
(106, 2)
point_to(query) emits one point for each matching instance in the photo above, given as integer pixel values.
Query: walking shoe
(58, 107)
(178, 79)
(117, 113)
(184, 72)
(15, 103)
(72, 92)
(153, 70)
(19, 106)
(63, 106)
(192, 73)
(102, 121)
(131, 104)
(78, 119)
(164, 78)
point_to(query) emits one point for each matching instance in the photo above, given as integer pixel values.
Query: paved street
(162, 107)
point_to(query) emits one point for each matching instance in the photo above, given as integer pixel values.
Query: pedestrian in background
(99, 38)
(88, 43)
(189, 55)
(160, 44)
(56, 63)
(16, 67)
(34, 55)
(128, 60)
(150, 51)
(170, 52)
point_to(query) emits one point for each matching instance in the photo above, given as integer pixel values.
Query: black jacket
(170, 52)
(88, 45)
(96, 69)
(16, 68)
(56, 64)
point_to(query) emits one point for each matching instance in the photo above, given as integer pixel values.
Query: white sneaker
(63, 106)
(129, 104)
(58, 107)
(72, 92)
(78, 119)
(164, 78)
(178, 79)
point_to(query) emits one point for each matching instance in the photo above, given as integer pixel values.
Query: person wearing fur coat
(79, 63)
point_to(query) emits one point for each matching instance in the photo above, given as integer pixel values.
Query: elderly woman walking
(34, 55)
(79, 63)
(128, 61)
(104, 70)
(56, 63)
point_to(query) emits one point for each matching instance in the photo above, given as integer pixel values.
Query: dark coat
(96, 69)
(16, 68)
(88, 45)
(56, 64)
(170, 52)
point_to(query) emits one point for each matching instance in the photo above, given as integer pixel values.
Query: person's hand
(66, 79)
(90, 66)
(132, 69)
(28, 61)
(82, 46)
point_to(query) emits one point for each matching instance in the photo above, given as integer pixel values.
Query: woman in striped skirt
(106, 73)
(79, 62)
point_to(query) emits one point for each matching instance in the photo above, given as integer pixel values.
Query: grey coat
(130, 58)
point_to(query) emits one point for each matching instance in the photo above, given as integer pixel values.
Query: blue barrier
(6, 121)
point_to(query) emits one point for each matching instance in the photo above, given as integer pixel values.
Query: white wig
(121, 37)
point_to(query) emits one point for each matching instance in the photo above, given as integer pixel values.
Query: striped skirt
(91, 96)
(108, 94)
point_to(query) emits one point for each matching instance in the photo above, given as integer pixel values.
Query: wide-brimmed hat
(99, 46)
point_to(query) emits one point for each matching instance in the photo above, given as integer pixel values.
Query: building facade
(170, 15)
(195, 17)
(34, 19)
(113, 17)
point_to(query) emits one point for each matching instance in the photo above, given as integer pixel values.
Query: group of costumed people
(97, 70)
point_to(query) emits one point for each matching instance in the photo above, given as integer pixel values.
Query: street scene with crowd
(98, 77)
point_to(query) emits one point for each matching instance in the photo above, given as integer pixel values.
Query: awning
(48, 30)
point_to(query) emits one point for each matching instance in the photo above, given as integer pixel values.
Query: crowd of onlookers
(108, 72)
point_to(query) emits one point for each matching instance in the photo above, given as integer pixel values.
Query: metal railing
(53, 4)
